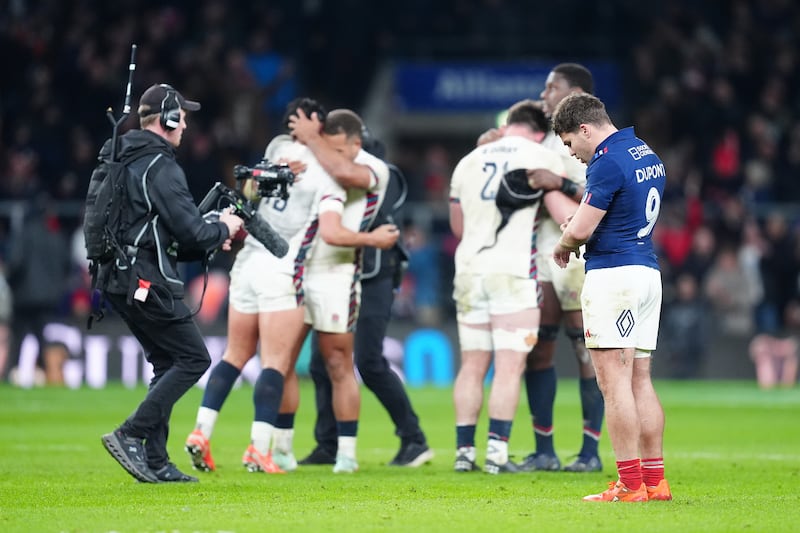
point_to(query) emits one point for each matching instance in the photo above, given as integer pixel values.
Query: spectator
(701, 255)
(423, 270)
(775, 359)
(779, 269)
(775, 356)
(732, 298)
(38, 265)
(686, 328)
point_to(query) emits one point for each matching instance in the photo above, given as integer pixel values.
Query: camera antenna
(126, 108)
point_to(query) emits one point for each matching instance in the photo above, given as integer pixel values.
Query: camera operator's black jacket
(160, 218)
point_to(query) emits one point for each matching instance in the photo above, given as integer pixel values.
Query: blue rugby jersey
(626, 179)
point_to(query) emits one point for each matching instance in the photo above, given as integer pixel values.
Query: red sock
(630, 473)
(652, 471)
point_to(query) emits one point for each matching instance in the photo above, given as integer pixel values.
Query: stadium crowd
(715, 90)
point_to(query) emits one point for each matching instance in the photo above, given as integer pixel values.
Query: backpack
(105, 221)
(103, 215)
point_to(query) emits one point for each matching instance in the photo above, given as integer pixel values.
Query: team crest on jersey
(335, 318)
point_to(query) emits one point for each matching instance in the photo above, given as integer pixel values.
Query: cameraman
(164, 226)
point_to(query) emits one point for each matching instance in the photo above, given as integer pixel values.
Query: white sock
(261, 436)
(206, 418)
(497, 451)
(282, 440)
(468, 451)
(347, 447)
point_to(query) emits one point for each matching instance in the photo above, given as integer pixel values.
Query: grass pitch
(732, 456)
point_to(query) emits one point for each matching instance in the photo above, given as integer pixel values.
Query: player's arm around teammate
(333, 295)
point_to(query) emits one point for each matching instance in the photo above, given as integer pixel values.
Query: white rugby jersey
(549, 230)
(358, 212)
(296, 218)
(475, 182)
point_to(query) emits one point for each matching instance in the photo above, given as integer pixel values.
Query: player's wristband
(569, 187)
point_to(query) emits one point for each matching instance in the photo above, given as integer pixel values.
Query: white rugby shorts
(255, 289)
(332, 300)
(622, 307)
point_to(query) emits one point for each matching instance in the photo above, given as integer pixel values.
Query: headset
(170, 116)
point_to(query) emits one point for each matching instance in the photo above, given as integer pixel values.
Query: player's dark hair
(343, 121)
(577, 109)
(576, 76)
(308, 105)
(528, 113)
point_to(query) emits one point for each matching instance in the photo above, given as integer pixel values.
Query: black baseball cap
(152, 98)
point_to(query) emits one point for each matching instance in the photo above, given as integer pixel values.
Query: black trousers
(174, 346)
(377, 295)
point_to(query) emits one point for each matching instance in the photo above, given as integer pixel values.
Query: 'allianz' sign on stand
(485, 86)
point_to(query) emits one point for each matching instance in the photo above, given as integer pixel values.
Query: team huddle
(553, 226)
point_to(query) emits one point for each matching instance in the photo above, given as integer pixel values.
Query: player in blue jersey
(621, 297)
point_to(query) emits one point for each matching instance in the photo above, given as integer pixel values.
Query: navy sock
(284, 421)
(347, 428)
(465, 436)
(593, 407)
(267, 395)
(219, 385)
(541, 387)
(499, 429)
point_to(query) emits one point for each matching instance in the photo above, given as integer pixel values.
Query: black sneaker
(547, 462)
(129, 452)
(501, 468)
(585, 464)
(412, 454)
(319, 456)
(169, 473)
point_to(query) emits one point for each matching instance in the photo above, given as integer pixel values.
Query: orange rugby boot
(618, 492)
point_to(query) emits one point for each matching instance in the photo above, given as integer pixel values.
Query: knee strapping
(575, 335)
(474, 338)
(548, 332)
(518, 340)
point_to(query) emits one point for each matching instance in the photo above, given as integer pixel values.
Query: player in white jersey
(266, 300)
(333, 288)
(559, 295)
(493, 212)
(560, 300)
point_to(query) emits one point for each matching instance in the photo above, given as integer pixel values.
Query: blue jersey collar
(602, 148)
